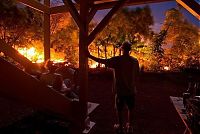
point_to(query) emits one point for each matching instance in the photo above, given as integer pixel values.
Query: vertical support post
(83, 59)
(46, 29)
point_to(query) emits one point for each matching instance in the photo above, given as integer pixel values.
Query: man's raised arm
(103, 61)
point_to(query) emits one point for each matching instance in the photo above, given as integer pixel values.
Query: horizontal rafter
(36, 5)
(105, 5)
(58, 9)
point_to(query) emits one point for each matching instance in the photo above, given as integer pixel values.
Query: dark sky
(158, 12)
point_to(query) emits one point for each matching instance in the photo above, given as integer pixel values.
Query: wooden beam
(105, 21)
(61, 9)
(192, 6)
(16, 56)
(107, 5)
(36, 5)
(83, 60)
(73, 11)
(91, 14)
(58, 9)
(46, 30)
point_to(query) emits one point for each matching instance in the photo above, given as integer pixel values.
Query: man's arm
(103, 61)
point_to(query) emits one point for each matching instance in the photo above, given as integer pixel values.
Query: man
(126, 70)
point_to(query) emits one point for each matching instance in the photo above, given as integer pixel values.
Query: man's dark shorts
(121, 101)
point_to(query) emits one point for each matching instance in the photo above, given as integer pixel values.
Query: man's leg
(119, 111)
(130, 103)
(131, 116)
(120, 119)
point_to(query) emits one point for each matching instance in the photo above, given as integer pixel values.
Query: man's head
(126, 46)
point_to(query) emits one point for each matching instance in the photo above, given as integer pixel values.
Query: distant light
(39, 61)
(166, 68)
(58, 60)
(94, 65)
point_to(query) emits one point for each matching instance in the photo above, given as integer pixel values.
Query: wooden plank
(91, 107)
(192, 6)
(46, 30)
(73, 11)
(108, 5)
(178, 105)
(15, 55)
(105, 21)
(58, 9)
(35, 5)
(90, 126)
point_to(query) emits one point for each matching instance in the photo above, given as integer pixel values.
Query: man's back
(126, 73)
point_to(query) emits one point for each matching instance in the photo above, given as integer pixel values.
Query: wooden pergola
(83, 12)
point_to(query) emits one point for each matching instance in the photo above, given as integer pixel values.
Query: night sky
(158, 12)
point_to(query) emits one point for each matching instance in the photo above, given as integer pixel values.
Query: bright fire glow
(31, 52)
(94, 65)
(166, 68)
(38, 56)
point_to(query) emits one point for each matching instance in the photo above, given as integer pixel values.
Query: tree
(157, 49)
(65, 40)
(18, 21)
(182, 39)
(129, 25)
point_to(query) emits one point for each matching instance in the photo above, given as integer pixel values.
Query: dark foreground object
(38, 122)
(154, 113)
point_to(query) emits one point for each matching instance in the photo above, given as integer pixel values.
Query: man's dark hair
(126, 46)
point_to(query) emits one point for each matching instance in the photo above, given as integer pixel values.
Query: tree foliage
(17, 21)
(132, 25)
(182, 39)
(65, 40)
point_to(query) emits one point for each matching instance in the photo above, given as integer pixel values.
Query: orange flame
(38, 57)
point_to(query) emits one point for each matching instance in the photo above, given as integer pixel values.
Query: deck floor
(154, 113)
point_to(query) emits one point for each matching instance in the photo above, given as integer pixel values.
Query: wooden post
(47, 32)
(83, 59)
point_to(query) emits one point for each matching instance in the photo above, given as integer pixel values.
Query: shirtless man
(126, 70)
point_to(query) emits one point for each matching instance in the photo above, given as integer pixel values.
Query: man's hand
(103, 61)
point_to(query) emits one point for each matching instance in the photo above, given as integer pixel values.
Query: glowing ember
(166, 68)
